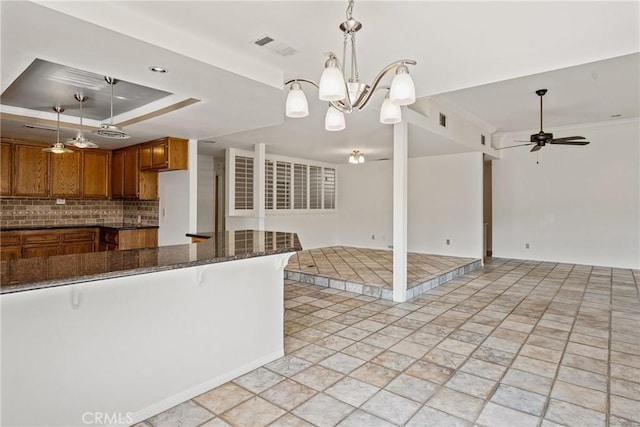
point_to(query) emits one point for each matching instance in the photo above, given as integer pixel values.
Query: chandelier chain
(354, 59)
(350, 10)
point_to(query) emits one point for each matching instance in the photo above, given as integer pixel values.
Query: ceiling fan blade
(568, 138)
(536, 148)
(514, 146)
(557, 142)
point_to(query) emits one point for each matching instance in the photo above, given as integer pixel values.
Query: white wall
(314, 230)
(579, 205)
(445, 202)
(206, 188)
(365, 204)
(173, 189)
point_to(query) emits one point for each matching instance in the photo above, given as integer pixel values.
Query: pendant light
(80, 141)
(58, 147)
(109, 130)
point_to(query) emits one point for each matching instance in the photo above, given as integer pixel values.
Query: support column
(192, 152)
(400, 155)
(259, 184)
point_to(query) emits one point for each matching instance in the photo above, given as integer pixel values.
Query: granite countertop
(116, 226)
(44, 272)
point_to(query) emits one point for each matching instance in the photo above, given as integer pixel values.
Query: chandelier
(356, 157)
(343, 93)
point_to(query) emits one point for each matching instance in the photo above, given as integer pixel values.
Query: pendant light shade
(403, 91)
(332, 85)
(334, 120)
(109, 130)
(58, 147)
(390, 113)
(297, 105)
(80, 141)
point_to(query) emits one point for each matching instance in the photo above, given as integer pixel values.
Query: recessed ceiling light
(616, 115)
(157, 69)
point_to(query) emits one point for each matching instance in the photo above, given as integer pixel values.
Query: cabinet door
(40, 250)
(65, 174)
(131, 171)
(96, 174)
(7, 254)
(117, 174)
(6, 169)
(159, 154)
(145, 157)
(30, 171)
(78, 248)
(148, 185)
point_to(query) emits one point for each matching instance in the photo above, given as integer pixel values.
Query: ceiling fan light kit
(542, 138)
(344, 94)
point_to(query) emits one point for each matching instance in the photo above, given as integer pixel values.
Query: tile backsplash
(35, 212)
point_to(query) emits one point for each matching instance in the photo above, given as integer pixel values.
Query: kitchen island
(128, 334)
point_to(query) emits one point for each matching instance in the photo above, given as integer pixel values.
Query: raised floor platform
(370, 271)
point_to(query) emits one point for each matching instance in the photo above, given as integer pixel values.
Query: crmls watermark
(108, 418)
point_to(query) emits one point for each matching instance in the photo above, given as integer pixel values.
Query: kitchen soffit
(45, 84)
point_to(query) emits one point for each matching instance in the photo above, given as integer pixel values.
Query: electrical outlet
(61, 202)
(448, 242)
(526, 246)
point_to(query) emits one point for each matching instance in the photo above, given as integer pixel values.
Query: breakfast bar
(131, 333)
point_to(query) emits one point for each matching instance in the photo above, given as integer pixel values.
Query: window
(243, 183)
(315, 187)
(290, 185)
(300, 174)
(283, 185)
(329, 188)
(268, 183)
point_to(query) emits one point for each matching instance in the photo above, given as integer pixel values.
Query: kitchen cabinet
(112, 239)
(40, 243)
(30, 171)
(96, 174)
(127, 181)
(164, 154)
(79, 241)
(65, 175)
(6, 169)
(10, 245)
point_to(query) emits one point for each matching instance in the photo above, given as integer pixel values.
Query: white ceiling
(206, 45)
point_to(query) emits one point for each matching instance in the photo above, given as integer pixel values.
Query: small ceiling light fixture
(157, 69)
(344, 94)
(356, 158)
(109, 130)
(58, 147)
(80, 141)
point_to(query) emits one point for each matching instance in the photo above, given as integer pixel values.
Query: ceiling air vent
(37, 127)
(275, 46)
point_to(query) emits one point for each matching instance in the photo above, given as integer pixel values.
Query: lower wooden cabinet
(40, 243)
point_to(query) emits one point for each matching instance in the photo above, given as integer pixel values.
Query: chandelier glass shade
(345, 94)
(58, 147)
(356, 157)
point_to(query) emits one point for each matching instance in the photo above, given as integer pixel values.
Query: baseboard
(197, 390)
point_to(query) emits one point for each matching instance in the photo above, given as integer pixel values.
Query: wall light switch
(448, 242)
(526, 246)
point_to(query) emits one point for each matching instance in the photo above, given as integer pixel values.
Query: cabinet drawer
(9, 239)
(79, 236)
(40, 238)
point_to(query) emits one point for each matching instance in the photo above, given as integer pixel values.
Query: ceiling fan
(542, 138)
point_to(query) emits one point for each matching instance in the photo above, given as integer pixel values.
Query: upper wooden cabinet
(6, 169)
(65, 175)
(30, 171)
(127, 181)
(164, 154)
(96, 174)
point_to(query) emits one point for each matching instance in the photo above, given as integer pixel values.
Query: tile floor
(514, 343)
(370, 266)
